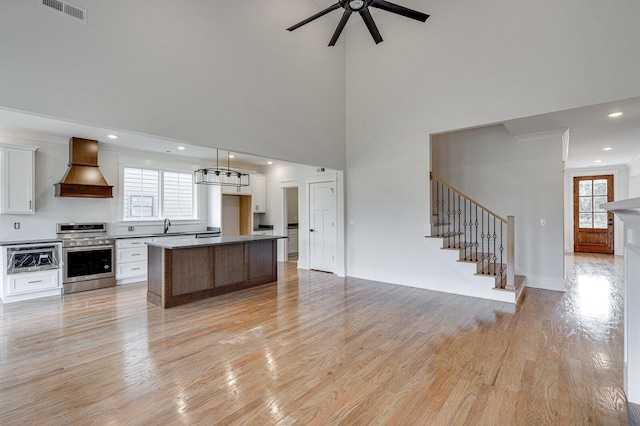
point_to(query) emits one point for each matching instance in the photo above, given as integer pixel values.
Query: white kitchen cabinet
(30, 282)
(292, 241)
(259, 193)
(18, 284)
(263, 232)
(17, 179)
(131, 260)
(239, 190)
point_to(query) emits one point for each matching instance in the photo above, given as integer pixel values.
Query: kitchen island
(182, 271)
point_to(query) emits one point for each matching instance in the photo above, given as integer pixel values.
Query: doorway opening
(291, 219)
(592, 226)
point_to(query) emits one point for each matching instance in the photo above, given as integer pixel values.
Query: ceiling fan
(362, 7)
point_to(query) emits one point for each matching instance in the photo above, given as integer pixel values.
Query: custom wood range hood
(83, 178)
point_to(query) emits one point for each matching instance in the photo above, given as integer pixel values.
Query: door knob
(312, 230)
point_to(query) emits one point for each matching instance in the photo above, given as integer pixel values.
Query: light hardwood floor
(316, 349)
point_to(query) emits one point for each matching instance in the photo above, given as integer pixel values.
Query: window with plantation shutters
(141, 195)
(154, 194)
(177, 195)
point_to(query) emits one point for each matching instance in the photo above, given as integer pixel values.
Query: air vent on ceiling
(67, 9)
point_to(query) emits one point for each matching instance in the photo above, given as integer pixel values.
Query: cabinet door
(259, 193)
(17, 181)
(235, 190)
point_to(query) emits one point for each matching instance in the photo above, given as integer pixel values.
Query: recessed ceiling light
(598, 161)
(615, 114)
(112, 136)
(607, 148)
(269, 162)
(181, 148)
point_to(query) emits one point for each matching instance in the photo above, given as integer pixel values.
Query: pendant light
(221, 176)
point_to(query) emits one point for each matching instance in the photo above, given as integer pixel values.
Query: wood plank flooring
(315, 349)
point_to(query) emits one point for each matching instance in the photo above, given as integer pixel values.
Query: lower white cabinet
(18, 281)
(131, 260)
(30, 282)
(264, 232)
(131, 257)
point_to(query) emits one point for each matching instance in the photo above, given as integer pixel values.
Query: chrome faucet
(167, 224)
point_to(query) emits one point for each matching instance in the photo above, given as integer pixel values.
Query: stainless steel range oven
(88, 256)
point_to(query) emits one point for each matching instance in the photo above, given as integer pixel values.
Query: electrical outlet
(542, 222)
(16, 225)
(130, 228)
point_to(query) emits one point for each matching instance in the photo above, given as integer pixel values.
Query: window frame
(197, 217)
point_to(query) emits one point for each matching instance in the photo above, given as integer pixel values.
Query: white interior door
(322, 226)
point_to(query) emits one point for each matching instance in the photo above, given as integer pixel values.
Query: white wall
(470, 64)
(52, 158)
(222, 74)
(521, 179)
(634, 187)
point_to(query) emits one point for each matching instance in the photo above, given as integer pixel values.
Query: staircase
(478, 237)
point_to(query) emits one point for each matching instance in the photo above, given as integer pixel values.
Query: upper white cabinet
(259, 184)
(17, 179)
(238, 190)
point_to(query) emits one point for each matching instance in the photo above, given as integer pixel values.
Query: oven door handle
(87, 248)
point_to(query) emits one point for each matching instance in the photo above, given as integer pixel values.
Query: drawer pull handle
(135, 254)
(135, 269)
(36, 281)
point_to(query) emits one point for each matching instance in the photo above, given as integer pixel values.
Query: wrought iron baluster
(476, 239)
(495, 256)
(464, 209)
(482, 255)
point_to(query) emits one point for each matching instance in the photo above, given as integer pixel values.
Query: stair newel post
(440, 207)
(459, 224)
(449, 217)
(501, 251)
(511, 255)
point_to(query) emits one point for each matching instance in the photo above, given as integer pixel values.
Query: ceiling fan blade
(368, 20)
(341, 24)
(399, 10)
(316, 16)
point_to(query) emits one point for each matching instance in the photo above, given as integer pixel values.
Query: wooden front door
(593, 226)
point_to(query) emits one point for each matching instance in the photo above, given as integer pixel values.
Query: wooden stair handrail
(432, 177)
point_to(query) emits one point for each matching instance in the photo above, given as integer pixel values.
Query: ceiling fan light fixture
(362, 7)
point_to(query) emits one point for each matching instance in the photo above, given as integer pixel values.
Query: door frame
(620, 191)
(609, 230)
(338, 179)
(284, 247)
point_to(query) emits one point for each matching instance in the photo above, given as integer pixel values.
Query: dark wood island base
(181, 272)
